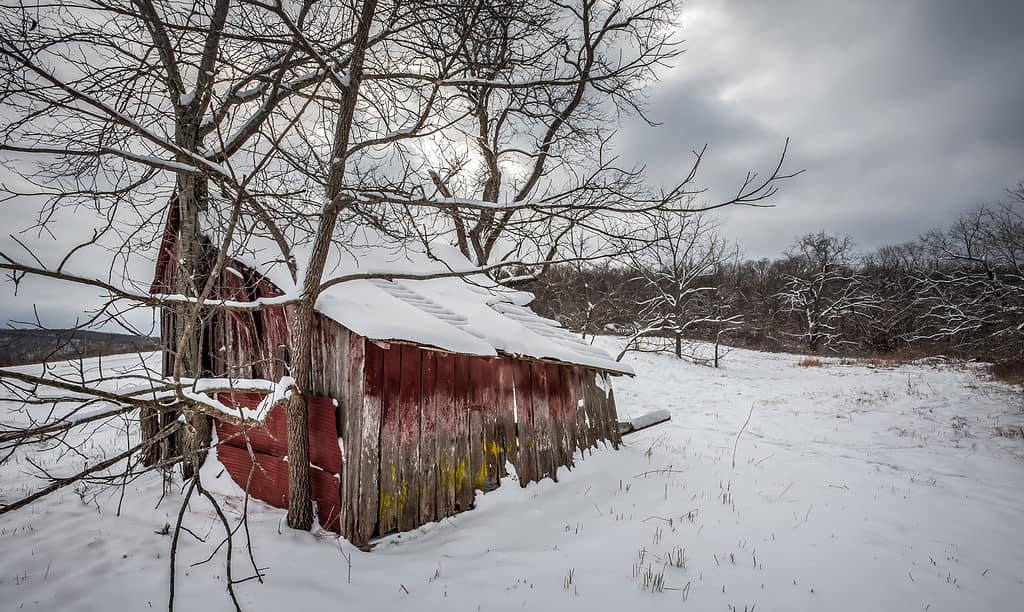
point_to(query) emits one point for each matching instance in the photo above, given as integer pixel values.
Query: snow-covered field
(853, 489)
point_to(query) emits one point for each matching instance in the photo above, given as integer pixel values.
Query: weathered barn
(427, 389)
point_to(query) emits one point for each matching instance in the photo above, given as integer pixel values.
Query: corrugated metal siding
(269, 445)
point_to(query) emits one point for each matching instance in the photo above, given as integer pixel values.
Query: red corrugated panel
(269, 482)
(272, 439)
(323, 435)
(326, 492)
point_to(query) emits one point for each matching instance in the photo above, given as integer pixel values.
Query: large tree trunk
(194, 263)
(300, 508)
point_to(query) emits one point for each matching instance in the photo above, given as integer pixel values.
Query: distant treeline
(958, 291)
(24, 346)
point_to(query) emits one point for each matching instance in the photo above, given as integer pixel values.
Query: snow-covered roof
(469, 314)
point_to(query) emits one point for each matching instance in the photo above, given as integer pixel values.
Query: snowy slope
(854, 489)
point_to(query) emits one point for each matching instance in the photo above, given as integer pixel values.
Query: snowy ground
(854, 489)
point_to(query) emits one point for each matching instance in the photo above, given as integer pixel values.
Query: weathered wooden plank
(612, 414)
(366, 391)
(390, 432)
(608, 426)
(351, 419)
(573, 413)
(506, 425)
(556, 406)
(446, 455)
(482, 375)
(543, 429)
(463, 475)
(568, 411)
(429, 426)
(477, 459)
(409, 439)
(526, 457)
(595, 407)
(477, 446)
(584, 436)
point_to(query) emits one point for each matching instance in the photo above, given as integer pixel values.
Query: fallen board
(644, 421)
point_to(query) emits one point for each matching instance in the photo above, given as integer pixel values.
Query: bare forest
(956, 291)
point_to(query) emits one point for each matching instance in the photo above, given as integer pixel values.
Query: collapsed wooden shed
(426, 391)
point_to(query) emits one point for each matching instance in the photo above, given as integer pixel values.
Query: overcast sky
(903, 113)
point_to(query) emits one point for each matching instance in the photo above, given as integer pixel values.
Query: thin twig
(737, 443)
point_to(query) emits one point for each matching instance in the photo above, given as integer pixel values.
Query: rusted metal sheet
(325, 492)
(272, 438)
(268, 482)
(409, 439)
(390, 432)
(324, 451)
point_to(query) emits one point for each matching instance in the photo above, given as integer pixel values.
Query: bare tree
(673, 262)
(524, 168)
(825, 289)
(972, 291)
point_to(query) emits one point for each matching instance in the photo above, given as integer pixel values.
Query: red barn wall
(434, 428)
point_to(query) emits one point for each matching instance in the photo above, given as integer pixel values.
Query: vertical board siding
(390, 439)
(463, 465)
(429, 426)
(543, 430)
(526, 458)
(613, 417)
(506, 425)
(444, 396)
(409, 438)
(368, 502)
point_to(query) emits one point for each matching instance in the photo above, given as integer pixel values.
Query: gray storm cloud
(903, 114)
